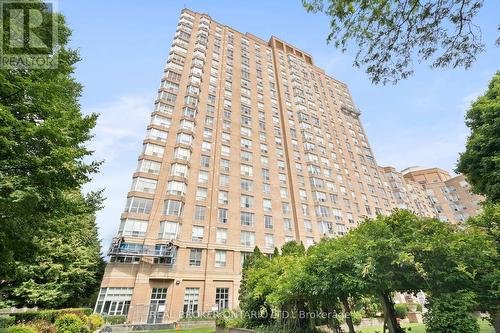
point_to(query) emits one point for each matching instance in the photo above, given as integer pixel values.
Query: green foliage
(356, 317)
(42, 326)
(293, 248)
(115, 320)
(95, 321)
(49, 316)
(480, 162)
(71, 323)
(419, 307)
(49, 250)
(21, 329)
(357, 272)
(6, 321)
(401, 310)
(390, 34)
(229, 319)
(451, 313)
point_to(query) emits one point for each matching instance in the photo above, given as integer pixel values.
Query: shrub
(95, 321)
(401, 310)
(50, 315)
(21, 329)
(6, 321)
(419, 307)
(42, 326)
(71, 323)
(114, 320)
(356, 317)
(451, 313)
(229, 319)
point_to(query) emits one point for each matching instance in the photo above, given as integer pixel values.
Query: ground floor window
(157, 305)
(222, 298)
(114, 301)
(191, 297)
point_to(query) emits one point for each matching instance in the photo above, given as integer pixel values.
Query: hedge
(114, 320)
(49, 315)
(6, 321)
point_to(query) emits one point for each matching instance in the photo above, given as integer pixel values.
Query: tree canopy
(480, 162)
(389, 35)
(398, 253)
(49, 250)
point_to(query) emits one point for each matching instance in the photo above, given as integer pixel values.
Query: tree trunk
(496, 321)
(384, 328)
(348, 318)
(388, 305)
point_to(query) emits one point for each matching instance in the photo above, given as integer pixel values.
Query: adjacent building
(249, 144)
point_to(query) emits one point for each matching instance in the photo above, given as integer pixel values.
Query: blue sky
(124, 45)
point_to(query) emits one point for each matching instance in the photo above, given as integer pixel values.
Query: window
(172, 207)
(246, 143)
(246, 201)
(179, 170)
(203, 177)
(267, 205)
(221, 236)
(223, 197)
(153, 150)
(184, 138)
(285, 207)
(308, 226)
(205, 161)
(199, 213)
(182, 153)
(247, 219)
(224, 180)
(247, 238)
(287, 224)
(169, 230)
(206, 146)
(138, 205)
(140, 184)
(195, 257)
(114, 301)
(224, 165)
(148, 166)
(222, 215)
(268, 222)
(246, 156)
(201, 194)
(265, 175)
(246, 170)
(266, 189)
(133, 228)
(269, 241)
(191, 296)
(246, 185)
(220, 258)
(176, 188)
(197, 234)
(222, 298)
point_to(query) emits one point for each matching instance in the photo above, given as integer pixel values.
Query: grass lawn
(187, 330)
(485, 327)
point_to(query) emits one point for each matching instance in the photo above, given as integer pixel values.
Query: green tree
(487, 287)
(389, 35)
(451, 313)
(480, 162)
(43, 164)
(334, 273)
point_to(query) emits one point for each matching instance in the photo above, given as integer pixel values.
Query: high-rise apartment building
(250, 144)
(450, 197)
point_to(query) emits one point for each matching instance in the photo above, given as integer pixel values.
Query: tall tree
(480, 162)
(43, 164)
(390, 34)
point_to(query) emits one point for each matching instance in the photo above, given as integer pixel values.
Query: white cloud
(119, 132)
